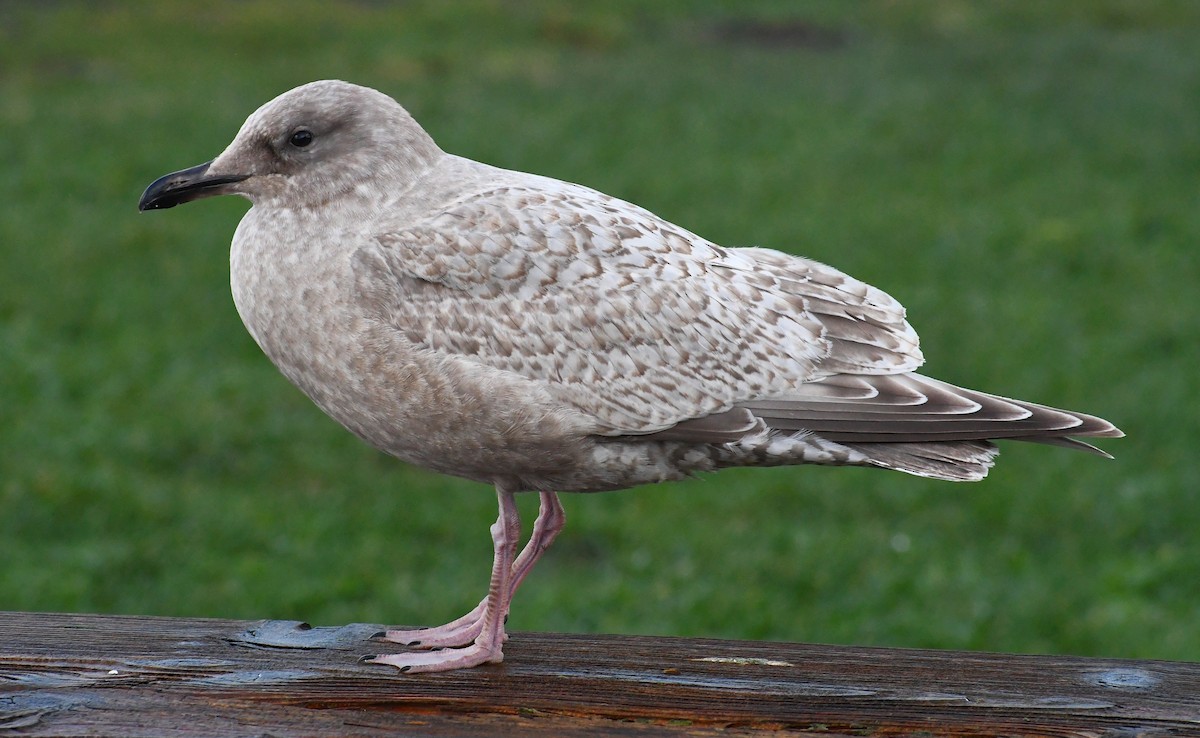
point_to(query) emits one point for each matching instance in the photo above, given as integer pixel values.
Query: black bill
(184, 186)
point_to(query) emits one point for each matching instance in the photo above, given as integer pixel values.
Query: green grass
(1023, 176)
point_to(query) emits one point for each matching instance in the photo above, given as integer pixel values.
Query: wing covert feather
(634, 321)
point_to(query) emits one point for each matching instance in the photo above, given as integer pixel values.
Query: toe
(443, 660)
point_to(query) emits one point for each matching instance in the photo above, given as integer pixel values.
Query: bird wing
(637, 322)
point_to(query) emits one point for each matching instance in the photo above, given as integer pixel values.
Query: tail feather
(1065, 442)
(919, 425)
(958, 461)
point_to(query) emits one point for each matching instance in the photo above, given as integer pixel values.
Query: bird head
(306, 148)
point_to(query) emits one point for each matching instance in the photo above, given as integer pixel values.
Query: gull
(540, 336)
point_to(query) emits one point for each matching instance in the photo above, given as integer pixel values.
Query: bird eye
(301, 138)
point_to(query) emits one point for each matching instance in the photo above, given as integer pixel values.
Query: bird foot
(460, 632)
(444, 659)
(478, 637)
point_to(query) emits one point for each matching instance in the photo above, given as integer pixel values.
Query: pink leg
(507, 572)
(466, 629)
(550, 521)
(486, 647)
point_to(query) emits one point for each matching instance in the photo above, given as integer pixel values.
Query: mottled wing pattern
(634, 321)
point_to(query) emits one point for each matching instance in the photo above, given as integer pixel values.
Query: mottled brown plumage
(539, 335)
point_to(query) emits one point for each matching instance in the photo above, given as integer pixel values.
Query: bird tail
(914, 424)
(953, 461)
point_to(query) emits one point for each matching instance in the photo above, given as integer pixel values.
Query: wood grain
(74, 675)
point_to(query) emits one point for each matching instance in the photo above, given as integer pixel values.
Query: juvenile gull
(541, 336)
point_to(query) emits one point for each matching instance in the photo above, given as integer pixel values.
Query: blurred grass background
(1022, 175)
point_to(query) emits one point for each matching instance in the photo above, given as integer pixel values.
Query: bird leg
(550, 521)
(480, 633)
(486, 646)
(464, 630)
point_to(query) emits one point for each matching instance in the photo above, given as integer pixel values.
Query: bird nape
(541, 336)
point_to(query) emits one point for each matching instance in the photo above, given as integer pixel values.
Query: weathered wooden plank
(136, 676)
